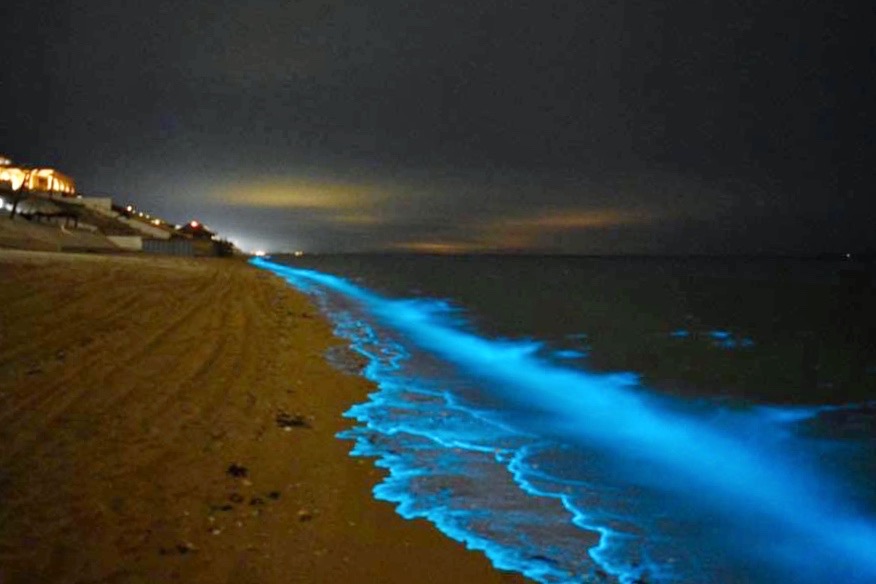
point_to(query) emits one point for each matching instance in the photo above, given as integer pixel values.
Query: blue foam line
(751, 481)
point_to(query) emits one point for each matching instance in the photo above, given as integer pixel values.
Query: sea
(620, 419)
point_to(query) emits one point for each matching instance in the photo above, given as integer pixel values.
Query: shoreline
(171, 419)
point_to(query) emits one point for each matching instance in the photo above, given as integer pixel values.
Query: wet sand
(167, 419)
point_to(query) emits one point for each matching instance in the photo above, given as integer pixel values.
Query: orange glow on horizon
(438, 247)
(303, 194)
(534, 231)
(580, 219)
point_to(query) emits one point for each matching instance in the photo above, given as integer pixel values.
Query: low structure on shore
(48, 200)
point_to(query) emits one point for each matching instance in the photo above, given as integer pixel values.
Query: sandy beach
(168, 419)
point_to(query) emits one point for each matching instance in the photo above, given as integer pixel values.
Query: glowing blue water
(565, 475)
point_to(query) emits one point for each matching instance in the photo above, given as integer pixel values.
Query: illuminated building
(196, 230)
(18, 178)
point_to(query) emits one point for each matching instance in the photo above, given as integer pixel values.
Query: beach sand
(166, 419)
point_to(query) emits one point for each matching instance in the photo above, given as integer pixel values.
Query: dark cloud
(742, 126)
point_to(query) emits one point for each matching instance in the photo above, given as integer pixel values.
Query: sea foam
(561, 474)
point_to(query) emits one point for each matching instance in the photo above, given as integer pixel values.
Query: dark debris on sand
(288, 421)
(180, 548)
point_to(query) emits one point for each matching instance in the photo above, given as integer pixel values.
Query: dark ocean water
(620, 419)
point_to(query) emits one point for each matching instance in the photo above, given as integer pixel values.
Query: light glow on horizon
(304, 194)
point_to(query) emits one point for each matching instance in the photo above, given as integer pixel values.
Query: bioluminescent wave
(566, 475)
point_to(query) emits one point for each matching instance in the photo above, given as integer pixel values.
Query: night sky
(708, 126)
